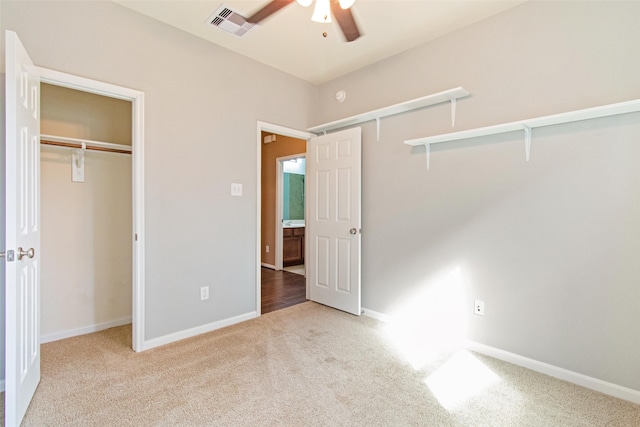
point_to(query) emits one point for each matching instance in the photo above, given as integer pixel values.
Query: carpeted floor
(302, 366)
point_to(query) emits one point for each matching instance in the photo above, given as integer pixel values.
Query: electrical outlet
(204, 293)
(478, 307)
(267, 249)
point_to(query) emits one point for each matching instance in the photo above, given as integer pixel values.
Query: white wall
(552, 245)
(202, 105)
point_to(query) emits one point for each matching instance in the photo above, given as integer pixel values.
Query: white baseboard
(84, 330)
(376, 315)
(177, 336)
(264, 264)
(535, 365)
(556, 372)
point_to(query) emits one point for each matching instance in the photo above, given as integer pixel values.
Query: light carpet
(305, 365)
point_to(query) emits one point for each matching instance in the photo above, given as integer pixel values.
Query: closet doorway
(86, 205)
(93, 276)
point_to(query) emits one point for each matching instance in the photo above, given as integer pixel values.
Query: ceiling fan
(322, 13)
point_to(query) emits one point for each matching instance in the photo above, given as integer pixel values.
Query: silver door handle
(22, 253)
(353, 231)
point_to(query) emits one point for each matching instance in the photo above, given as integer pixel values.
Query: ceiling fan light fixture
(346, 4)
(304, 3)
(322, 12)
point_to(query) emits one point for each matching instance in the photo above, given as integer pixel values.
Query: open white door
(22, 281)
(334, 220)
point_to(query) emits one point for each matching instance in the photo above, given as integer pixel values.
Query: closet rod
(89, 145)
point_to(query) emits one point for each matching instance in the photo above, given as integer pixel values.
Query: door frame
(280, 130)
(136, 98)
(279, 264)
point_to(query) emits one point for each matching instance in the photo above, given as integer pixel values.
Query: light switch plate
(236, 189)
(204, 293)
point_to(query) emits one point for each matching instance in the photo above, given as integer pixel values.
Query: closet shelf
(528, 124)
(450, 95)
(62, 141)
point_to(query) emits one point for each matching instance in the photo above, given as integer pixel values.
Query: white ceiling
(291, 42)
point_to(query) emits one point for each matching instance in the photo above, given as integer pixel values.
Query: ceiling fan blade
(346, 21)
(270, 8)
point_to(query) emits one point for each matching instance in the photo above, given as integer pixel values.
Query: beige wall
(284, 146)
(202, 106)
(84, 115)
(552, 245)
(86, 227)
(86, 242)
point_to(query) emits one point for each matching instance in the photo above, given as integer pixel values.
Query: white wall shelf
(528, 125)
(450, 95)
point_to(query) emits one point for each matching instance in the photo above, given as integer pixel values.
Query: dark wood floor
(281, 289)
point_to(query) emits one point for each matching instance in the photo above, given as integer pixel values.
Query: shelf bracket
(378, 127)
(527, 141)
(428, 147)
(453, 110)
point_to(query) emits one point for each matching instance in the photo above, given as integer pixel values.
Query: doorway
(290, 213)
(136, 98)
(273, 142)
(86, 211)
(334, 262)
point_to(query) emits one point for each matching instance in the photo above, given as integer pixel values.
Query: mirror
(293, 189)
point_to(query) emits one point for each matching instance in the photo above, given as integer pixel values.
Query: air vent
(229, 21)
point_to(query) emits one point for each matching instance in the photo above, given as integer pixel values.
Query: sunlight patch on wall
(432, 322)
(459, 379)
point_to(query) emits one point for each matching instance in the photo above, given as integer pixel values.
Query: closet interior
(86, 212)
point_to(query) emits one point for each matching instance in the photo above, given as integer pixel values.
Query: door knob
(353, 231)
(22, 253)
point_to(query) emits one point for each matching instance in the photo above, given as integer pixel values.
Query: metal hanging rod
(61, 141)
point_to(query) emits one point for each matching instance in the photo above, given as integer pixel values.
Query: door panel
(333, 223)
(344, 195)
(322, 195)
(343, 252)
(22, 281)
(321, 265)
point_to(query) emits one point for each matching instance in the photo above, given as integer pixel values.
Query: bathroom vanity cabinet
(292, 246)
